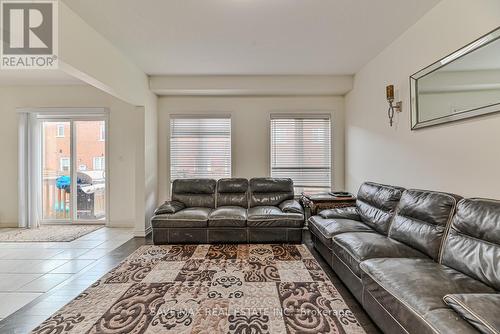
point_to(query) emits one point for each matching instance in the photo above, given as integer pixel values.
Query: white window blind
(200, 147)
(300, 150)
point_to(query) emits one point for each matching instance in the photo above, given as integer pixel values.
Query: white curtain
(29, 170)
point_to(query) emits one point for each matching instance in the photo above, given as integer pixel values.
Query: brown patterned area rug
(245, 289)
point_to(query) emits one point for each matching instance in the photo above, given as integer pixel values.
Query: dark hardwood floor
(31, 315)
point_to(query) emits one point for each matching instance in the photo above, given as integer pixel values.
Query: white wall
(460, 157)
(250, 118)
(150, 112)
(251, 85)
(125, 131)
(88, 56)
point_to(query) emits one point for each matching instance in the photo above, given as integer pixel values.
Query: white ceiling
(36, 78)
(229, 37)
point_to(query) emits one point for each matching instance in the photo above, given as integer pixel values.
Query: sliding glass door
(56, 170)
(90, 162)
(73, 170)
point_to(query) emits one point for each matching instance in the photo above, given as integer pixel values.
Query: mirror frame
(482, 41)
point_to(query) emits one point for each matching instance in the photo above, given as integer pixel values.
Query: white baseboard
(128, 224)
(8, 225)
(142, 233)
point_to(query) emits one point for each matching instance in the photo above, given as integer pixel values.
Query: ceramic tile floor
(31, 269)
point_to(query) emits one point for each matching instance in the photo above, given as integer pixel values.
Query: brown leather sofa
(418, 261)
(229, 211)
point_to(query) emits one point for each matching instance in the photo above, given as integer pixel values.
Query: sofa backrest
(472, 244)
(422, 218)
(194, 192)
(270, 191)
(232, 192)
(376, 205)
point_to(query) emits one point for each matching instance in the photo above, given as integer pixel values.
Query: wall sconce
(392, 106)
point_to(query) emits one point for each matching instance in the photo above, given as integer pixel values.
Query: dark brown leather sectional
(418, 261)
(229, 211)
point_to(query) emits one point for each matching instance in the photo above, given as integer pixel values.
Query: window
(300, 150)
(64, 164)
(102, 132)
(98, 163)
(60, 131)
(200, 147)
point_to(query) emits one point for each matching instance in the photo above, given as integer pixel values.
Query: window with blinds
(300, 150)
(200, 147)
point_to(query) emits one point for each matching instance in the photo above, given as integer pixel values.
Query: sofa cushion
(350, 212)
(376, 205)
(232, 192)
(422, 218)
(230, 216)
(169, 207)
(353, 248)
(266, 216)
(412, 291)
(481, 310)
(194, 192)
(325, 229)
(472, 245)
(270, 191)
(189, 217)
(291, 206)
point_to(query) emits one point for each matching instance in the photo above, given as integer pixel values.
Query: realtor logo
(29, 34)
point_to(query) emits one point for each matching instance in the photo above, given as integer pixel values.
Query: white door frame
(29, 196)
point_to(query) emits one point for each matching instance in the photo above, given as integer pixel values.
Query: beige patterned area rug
(245, 289)
(47, 233)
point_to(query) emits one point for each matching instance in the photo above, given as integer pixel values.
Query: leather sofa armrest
(291, 206)
(345, 213)
(169, 207)
(481, 310)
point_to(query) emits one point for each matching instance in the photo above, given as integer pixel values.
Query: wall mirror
(462, 85)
